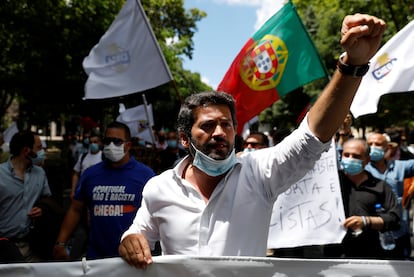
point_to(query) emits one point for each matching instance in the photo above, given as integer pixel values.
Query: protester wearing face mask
(21, 177)
(360, 193)
(168, 158)
(91, 157)
(393, 172)
(111, 191)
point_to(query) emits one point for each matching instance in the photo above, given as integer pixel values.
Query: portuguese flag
(276, 60)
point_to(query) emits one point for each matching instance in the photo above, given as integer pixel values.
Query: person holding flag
(213, 204)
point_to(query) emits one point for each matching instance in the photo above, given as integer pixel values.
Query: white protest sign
(311, 211)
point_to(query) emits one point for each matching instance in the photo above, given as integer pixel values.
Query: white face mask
(211, 166)
(114, 153)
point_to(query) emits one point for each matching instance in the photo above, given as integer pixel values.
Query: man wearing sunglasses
(112, 191)
(254, 141)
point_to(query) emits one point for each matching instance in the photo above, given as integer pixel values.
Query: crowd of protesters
(206, 199)
(160, 156)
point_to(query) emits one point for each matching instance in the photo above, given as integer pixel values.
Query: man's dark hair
(265, 139)
(120, 125)
(185, 119)
(20, 140)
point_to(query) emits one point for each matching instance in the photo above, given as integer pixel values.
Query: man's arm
(70, 222)
(361, 38)
(75, 180)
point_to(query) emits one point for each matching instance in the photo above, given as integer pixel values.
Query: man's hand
(135, 250)
(361, 37)
(60, 254)
(35, 212)
(354, 223)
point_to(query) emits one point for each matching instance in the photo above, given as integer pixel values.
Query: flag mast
(144, 99)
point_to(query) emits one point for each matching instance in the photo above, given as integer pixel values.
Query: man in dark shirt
(360, 193)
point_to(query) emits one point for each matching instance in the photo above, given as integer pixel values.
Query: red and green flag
(276, 60)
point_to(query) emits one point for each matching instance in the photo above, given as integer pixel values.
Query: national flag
(139, 121)
(127, 58)
(391, 71)
(276, 60)
(306, 109)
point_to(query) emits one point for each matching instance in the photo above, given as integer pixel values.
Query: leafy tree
(323, 21)
(45, 42)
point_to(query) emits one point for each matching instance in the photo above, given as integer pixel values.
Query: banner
(192, 266)
(139, 123)
(127, 58)
(311, 211)
(391, 71)
(279, 58)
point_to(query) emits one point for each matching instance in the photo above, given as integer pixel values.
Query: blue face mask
(248, 150)
(351, 166)
(141, 143)
(39, 157)
(172, 143)
(211, 166)
(376, 153)
(93, 147)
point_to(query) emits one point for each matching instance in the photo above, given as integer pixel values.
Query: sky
(223, 33)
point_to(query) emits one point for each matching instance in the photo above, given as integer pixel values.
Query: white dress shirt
(235, 220)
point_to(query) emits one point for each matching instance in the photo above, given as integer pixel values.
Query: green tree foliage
(45, 41)
(323, 21)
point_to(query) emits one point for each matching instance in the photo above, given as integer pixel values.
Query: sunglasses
(253, 144)
(116, 141)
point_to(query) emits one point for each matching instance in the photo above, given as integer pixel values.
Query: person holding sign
(213, 204)
(361, 192)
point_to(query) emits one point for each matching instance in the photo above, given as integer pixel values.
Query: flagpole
(144, 99)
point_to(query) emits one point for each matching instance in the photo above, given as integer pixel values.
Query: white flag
(127, 58)
(9, 132)
(391, 71)
(138, 122)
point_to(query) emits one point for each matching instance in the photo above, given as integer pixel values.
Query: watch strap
(351, 70)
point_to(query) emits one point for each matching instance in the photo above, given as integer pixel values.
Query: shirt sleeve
(144, 222)
(408, 168)
(278, 167)
(77, 166)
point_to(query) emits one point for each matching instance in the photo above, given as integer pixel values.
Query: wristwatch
(351, 70)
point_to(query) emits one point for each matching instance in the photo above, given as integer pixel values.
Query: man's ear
(26, 150)
(185, 141)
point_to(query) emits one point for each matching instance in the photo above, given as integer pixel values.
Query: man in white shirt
(93, 156)
(212, 203)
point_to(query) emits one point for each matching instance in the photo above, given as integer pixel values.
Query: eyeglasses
(116, 141)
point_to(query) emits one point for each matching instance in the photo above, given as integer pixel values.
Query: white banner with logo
(179, 266)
